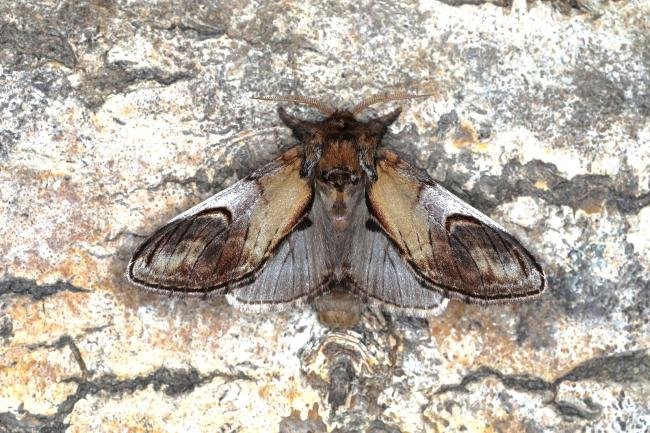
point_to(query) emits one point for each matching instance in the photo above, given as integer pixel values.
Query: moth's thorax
(339, 155)
(340, 176)
(338, 139)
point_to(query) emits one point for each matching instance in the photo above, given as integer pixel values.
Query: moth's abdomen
(338, 309)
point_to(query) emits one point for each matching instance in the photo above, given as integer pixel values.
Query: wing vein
(178, 242)
(478, 270)
(494, 247)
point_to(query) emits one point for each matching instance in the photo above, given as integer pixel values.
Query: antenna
(376, 99)
(312, 102)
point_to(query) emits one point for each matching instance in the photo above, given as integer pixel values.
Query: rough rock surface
(116, 115)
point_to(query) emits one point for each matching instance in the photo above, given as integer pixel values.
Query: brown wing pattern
(228, 237)
(451, 246)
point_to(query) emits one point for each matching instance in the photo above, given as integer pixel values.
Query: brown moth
(340, 221)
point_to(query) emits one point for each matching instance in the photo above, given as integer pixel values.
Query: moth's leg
(368, 142)
(313, 152)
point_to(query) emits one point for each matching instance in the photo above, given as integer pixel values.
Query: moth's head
(340, 125)
(339, 150)
(340, 155)
(330, 142)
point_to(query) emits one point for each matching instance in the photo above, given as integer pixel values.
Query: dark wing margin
(450, 246)
(226, 239)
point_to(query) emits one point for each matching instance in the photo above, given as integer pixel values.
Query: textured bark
(115, 116)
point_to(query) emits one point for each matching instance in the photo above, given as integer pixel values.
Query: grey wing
(377, 270)
(299, 269)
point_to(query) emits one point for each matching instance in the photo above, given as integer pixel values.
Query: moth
(340, 221)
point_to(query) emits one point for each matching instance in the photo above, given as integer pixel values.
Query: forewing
(227, 238)
(450, 245)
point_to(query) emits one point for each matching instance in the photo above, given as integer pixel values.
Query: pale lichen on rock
(116, 116)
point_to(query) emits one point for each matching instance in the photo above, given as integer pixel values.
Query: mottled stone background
(115, 115)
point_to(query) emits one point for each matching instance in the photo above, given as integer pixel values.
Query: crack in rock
(457, 3)
(6, 328)
(118, 77)
(620, 368)
(198, 30)
(589, 192)
(67, 340)
(46, 43)
(29, 287)
(563, 6)
(199, 181)
(172, 382)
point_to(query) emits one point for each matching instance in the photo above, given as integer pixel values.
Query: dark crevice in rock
(564, 6)
(7, 140)
(573, 411)
(342, 375)
(27, 287)
(48, 44)
(172, 382)
(589, 192)
(620, 368)
(68, 341)
(378, 426)
(502, 3)
(521, 382)
(6, 327)
(197, 30)
(199, 180)
(118, 77)
(630, 367)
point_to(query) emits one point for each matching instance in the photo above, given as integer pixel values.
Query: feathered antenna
(312, 102)
(376, 99)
